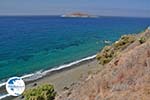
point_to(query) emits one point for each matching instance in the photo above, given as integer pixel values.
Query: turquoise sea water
(32, 43)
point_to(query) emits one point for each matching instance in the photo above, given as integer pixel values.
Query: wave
(4, 96)
(39, 74)
(69, 65)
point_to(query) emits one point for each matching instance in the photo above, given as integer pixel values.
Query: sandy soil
(68, 76)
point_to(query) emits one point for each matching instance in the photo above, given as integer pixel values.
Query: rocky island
(80, 15)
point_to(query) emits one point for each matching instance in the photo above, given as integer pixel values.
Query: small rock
(66, 88)
(35, 84)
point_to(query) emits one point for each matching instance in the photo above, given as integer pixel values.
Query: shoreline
(39, 74)
(53, 73)
(65, 77)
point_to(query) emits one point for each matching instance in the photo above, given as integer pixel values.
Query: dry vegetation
(109, 52)
(45, 92)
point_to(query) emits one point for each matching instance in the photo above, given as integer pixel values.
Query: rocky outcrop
(125, 77)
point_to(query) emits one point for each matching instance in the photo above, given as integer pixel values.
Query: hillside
(124, 76)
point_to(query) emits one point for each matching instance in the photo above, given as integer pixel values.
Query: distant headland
(79, 14)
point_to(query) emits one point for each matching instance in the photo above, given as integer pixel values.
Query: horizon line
(26, 15)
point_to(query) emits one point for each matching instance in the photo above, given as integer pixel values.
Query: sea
(34, 45)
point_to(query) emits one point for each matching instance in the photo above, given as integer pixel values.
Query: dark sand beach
(65, 77)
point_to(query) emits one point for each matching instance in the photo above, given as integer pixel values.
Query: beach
(66, 77)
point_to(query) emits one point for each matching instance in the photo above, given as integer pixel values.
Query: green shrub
(142, 40)
(124, 41)
(45, 92)
(109, 52)
(106, 55)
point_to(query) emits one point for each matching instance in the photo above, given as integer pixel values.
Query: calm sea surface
(29, 44)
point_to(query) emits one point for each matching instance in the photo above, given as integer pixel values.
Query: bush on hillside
(142, 40)
(124, 41)
(109, 52)
(106, 55)
(45, 92)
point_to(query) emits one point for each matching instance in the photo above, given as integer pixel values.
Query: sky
(135, 8)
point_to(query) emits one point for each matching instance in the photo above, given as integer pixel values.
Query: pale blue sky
(136, 8)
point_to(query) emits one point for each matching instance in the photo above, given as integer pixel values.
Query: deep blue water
(29, 44)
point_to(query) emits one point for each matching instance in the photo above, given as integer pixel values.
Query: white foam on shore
(25, 76)
(69, 65)
(4, 96)
(2, 84)
(39, 74)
